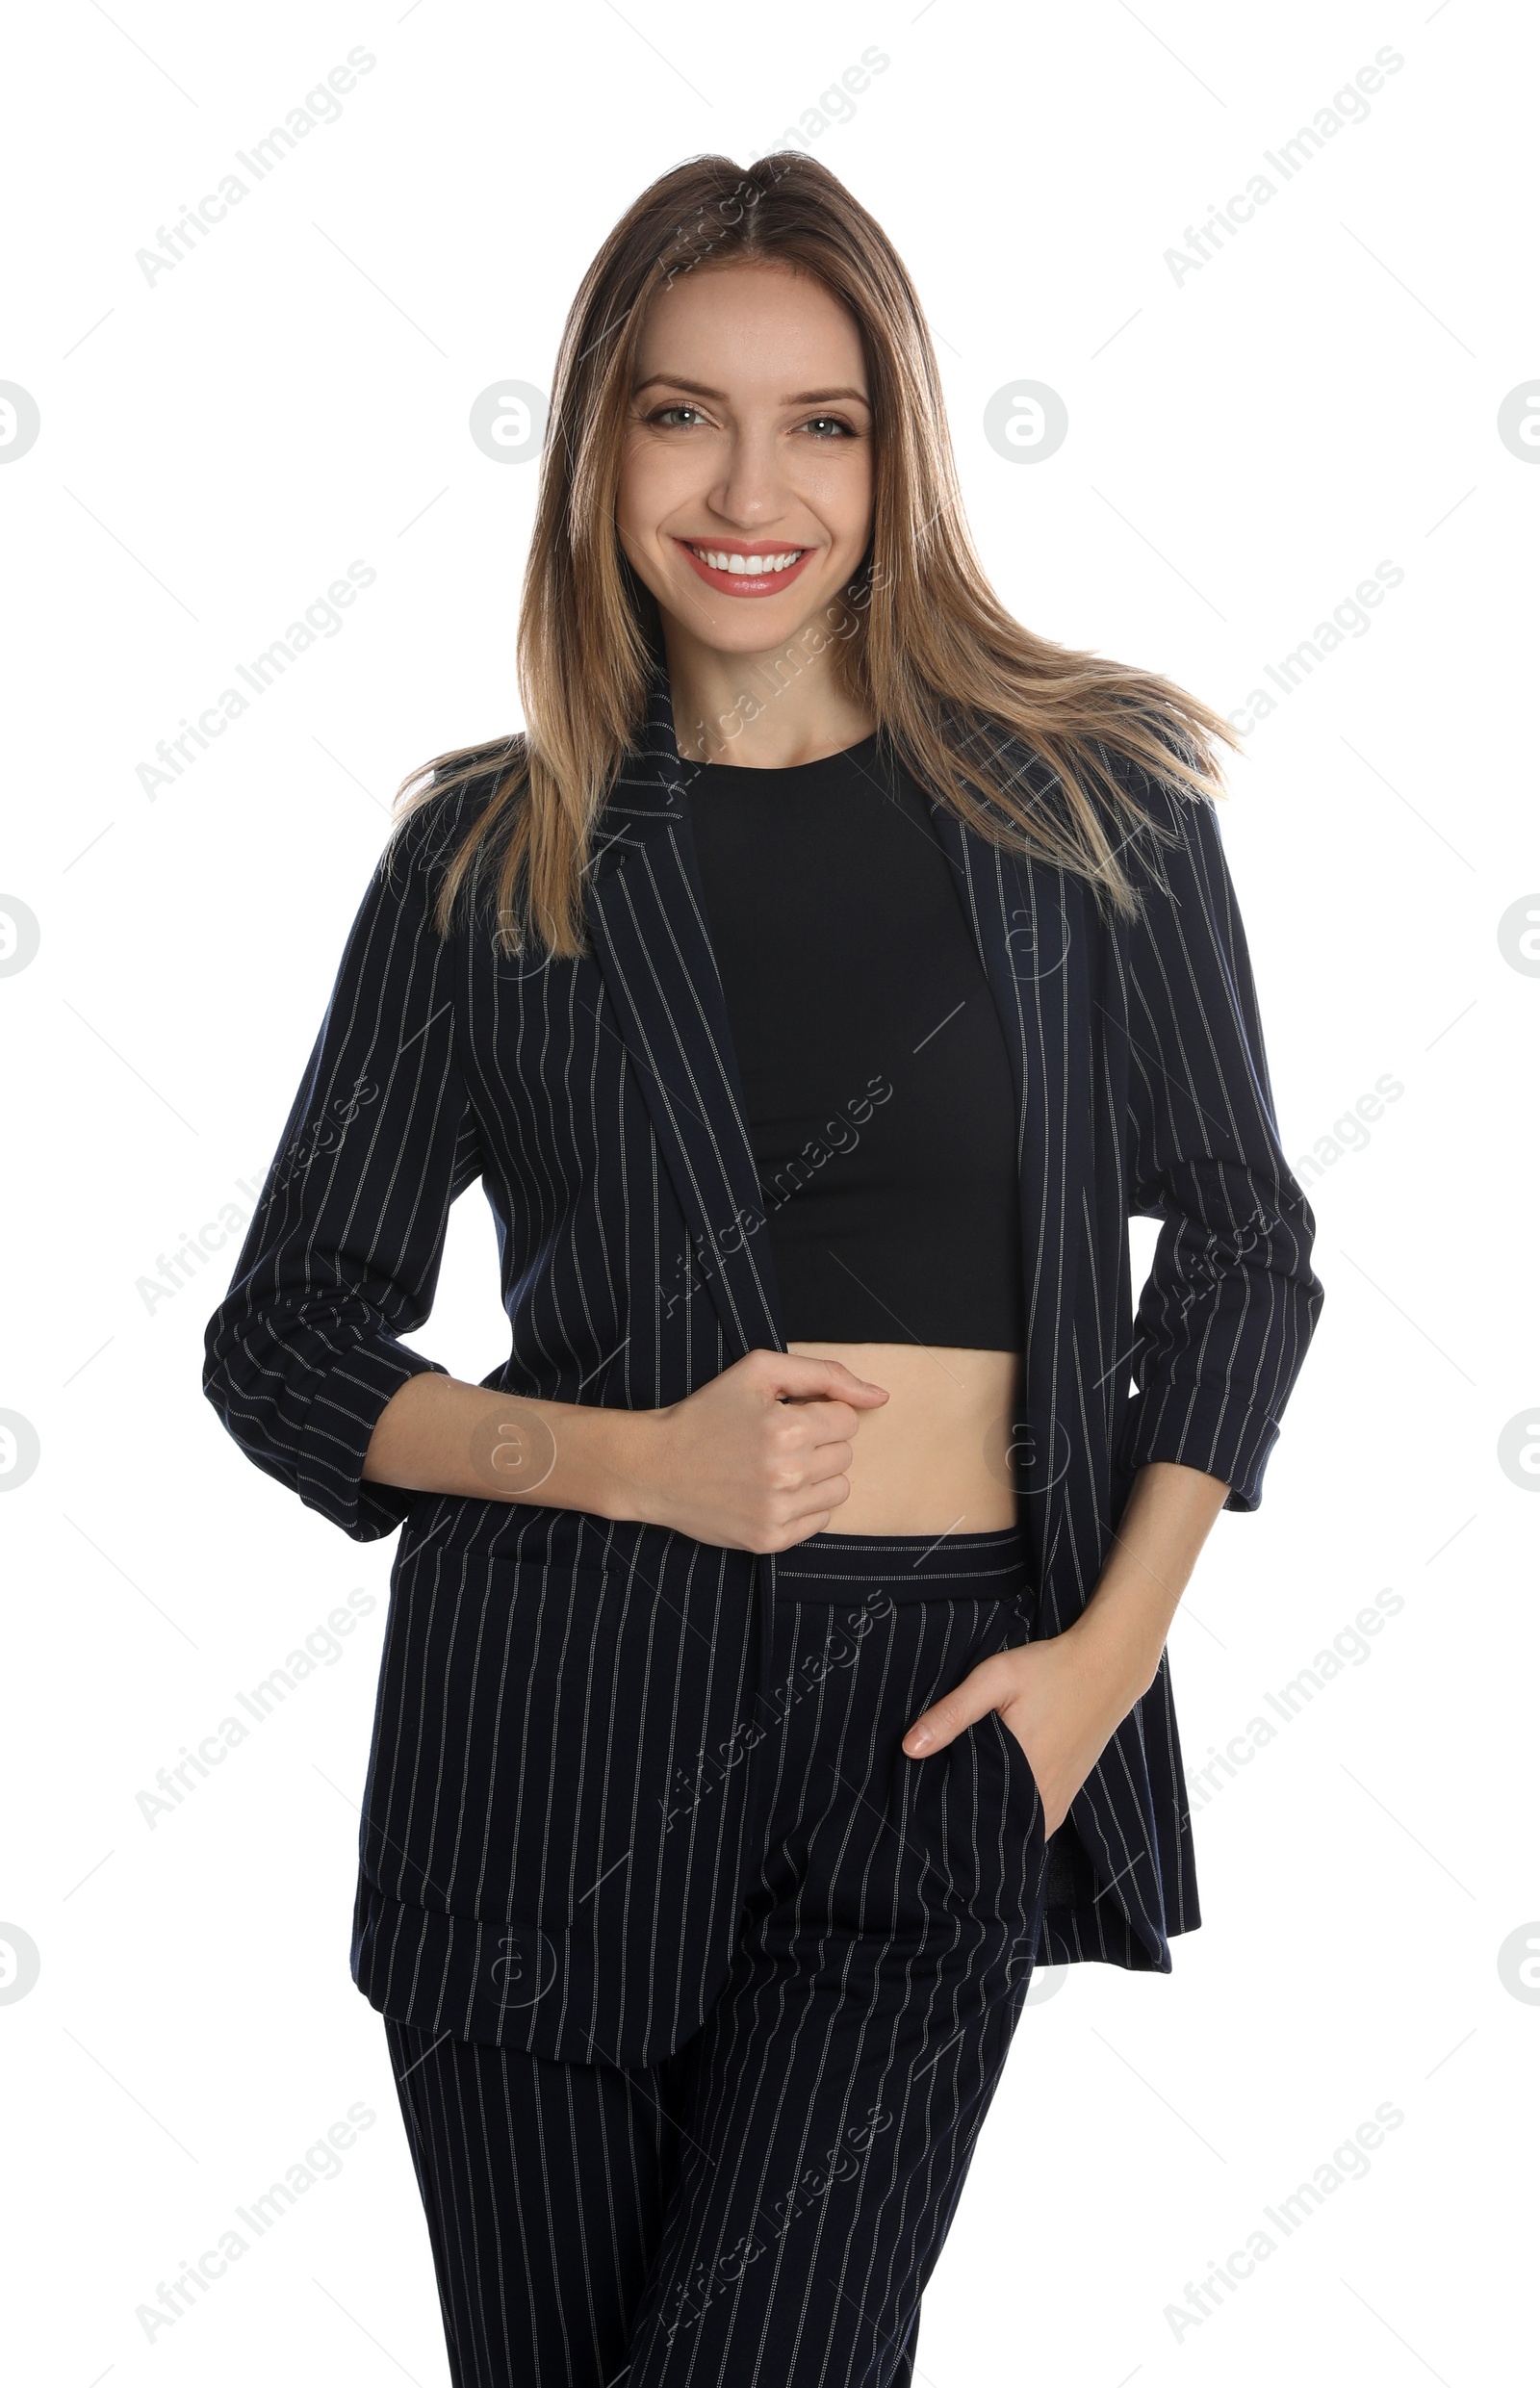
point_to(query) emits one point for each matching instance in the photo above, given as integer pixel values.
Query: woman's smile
(741, 571)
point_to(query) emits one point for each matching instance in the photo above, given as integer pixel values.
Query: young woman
(775, 1663)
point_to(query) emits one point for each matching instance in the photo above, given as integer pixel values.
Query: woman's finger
(944, 1719)
(796, 1376)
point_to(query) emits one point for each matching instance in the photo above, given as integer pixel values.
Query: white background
(1244, 445)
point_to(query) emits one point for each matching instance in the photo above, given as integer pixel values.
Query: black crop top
(881, 1106)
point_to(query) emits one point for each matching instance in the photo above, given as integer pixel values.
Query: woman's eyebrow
(702, 388)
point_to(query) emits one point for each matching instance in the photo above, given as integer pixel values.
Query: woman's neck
(764, 713)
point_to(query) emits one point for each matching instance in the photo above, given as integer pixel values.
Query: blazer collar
(649, 791)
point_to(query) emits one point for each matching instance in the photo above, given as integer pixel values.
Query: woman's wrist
(603, 1460)
(629, 1465)
(1119, 1635)
(1116, 1651)
(1120, 1632)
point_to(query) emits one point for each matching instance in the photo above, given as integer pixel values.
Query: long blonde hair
(920, 639)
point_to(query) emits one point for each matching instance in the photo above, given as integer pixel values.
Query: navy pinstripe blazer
(562, 1802)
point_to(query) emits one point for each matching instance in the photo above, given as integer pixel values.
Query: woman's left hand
(1063, 1698)
(1060, 1705)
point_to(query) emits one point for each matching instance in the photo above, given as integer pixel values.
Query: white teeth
(721, 560)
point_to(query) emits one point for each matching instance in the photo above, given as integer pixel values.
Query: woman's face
(750, 442)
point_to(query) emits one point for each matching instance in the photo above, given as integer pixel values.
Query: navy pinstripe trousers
(764, 2207)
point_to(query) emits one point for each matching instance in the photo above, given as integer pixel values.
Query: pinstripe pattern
(766, 2203)
(599, 1101)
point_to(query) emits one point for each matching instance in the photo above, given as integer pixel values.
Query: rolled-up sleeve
(1231, 1302)
(342, 1257)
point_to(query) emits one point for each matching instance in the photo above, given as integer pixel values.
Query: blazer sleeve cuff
(1207, 1429)
(342, 1416)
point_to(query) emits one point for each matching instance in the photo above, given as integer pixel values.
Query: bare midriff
(934, 1457)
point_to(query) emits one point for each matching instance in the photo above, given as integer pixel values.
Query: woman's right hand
(758, 1458)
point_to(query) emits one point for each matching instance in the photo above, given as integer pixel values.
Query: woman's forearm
(1123, 1629)
(751, 1460)
(437, 1434)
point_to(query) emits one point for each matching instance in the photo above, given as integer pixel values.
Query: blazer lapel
(1022, 914)
(648, 925)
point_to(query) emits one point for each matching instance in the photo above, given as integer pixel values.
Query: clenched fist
(757, 1459)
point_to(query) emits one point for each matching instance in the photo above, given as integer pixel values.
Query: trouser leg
(544, 2187)
(834, 2097)
(827, 2149)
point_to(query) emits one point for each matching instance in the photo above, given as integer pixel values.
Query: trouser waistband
(919, 1567)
